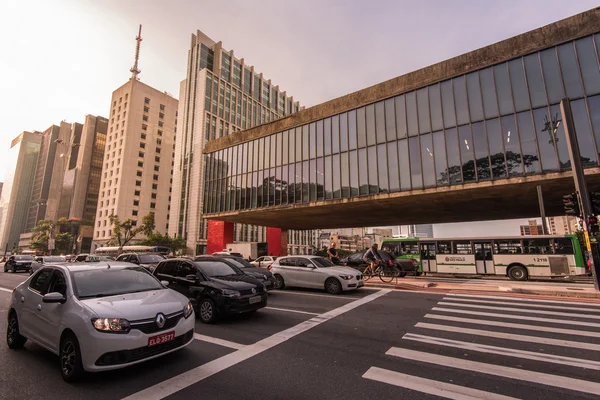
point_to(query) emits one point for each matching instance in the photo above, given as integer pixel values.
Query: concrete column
(277, 241)
(220, 233)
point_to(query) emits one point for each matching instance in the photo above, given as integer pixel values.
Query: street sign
(51, 244)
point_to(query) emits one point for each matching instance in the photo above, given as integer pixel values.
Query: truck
(251, 250)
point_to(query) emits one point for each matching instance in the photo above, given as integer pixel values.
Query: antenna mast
(135, 70)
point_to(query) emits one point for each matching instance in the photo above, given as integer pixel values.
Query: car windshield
(102, 282)
(240, 262)
(54, 259)
(217, 268)
(150, 258)
(23, 258)
(322, 263)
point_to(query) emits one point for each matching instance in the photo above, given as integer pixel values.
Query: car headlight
(111, 325)
(346, 277)
(188, 310)
(230, 293)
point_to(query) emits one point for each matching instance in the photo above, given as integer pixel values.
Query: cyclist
(333, 254)
(373, 258)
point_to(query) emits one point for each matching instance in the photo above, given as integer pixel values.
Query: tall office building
(562, 225)
(220, 95)
(18, 184)
(420, 231)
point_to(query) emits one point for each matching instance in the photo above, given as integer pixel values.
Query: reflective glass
(454, 174)
(400, 116)
(460, 97)
(305, 143)
(312, 140)
(512, 147)
(352, 134)
(345, 172)
(320, 139)
(344, 132)
(320, 179)
(570, 70)
(335, 134)
(545, 137)
(382, 169)
(298, 185)
(298, 144)
(390, 120)
(474, 92)
(482, 159)
(466, 153)
(531, 159)
(494, 137)
(448, 104)
(554, 85)
(519, 84)
(337, 191)
(488, 89)
(427, 161)
(305, 181)
(394, 177)
(259, 189)
(505, 102)
(278, 186)
(423, 110)
(588, 63)
(435, 103)
(328, 179)
(285, 181)
(537, 92)
(404, 161)
(234, 150)
(327, 136)
(559, 138)
(411, 114)
(291, 183)
(363, 167)
(273, 150)
(415, 163)
(371, 139)
(594, 107)
(361, 127)
(285, 146)
(584, 133)
(292, 146)
(439, 155)
(353, 162)
(380, 122)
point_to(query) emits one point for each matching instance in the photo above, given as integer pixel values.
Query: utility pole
(542, 209)
(580, 187)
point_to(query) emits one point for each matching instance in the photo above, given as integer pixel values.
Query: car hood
(235, 282)
(134, 306)
(341, 270)
(259, 272)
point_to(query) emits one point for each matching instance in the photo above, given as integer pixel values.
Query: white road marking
(537, 328)
(5, 290)
(290, 310)
(220, 342)
(503, 351)
(521, 304)
(511, 336)
(436, 388)
(522, 317)
(538, 378)
(521, 310)
(188, 378)
(523, 299)
(278, 292)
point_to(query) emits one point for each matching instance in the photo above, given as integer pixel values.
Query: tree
(124, 232)
(45, 229)
(157, 239)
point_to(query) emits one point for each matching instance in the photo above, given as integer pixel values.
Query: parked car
(148, 260)
(315, 272)
(265, 276)
(214, 286)
(263, 262)
(405, 265)
(40, 261)
(18, 263)
(99, 316)
(227, 253)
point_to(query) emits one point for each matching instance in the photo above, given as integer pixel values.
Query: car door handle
(39, 307)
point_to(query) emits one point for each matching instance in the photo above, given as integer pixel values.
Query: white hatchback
(99, 317)
(315, 272)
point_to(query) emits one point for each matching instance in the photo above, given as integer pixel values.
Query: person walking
(333, 254)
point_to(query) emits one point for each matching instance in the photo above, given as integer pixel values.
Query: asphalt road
(361, 345)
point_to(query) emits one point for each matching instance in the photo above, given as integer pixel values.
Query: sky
(62, 59)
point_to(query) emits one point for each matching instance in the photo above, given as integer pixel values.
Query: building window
(144, 127)
(140, 164)
(138, 183)
(139, 173)
(141, 154)
(157, 159)
(145, 118)
(161, 115)
(158, 141)
(134, 213)
(147, 100)
(154, 186)
(155, 177)
(142, 145)
(156, 168)
(160, 123)
(136, 193)
(162, 107)
(143, 136)
(154, 196)
(152, 205)
(158, 150)
(159, 132)
(146, 109)
(136, 202)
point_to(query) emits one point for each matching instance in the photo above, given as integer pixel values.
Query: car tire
(14, 339)
(333, 286)
(517, 273)
(5, 269)
(280, 282)
(71, 366)
(14, 269)
(207, 310)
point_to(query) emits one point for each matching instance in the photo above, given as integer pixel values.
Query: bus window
(462, 247)
(444, 247)
(428, 251)
(410, 248)
(392, 247)
(508, 247)
(563, 246)
(537, 246)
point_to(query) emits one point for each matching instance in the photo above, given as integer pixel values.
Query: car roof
(82, 266)
(310, 257)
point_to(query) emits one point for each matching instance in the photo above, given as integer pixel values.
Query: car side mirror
(164, 283)
(191, 278)
(54, 297)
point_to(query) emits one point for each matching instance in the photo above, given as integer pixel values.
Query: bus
(519, 257)
(114, 250)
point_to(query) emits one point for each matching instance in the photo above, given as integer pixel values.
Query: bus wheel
(517, 273)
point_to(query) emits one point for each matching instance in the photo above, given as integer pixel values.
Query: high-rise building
(531, 229)
(419, 231)
(562, 225)
(18, 184)
(220, 95)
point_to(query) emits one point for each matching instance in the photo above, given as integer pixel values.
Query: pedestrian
(333, 254)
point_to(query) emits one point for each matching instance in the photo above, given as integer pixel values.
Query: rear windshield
(104, 282)
(150, 258)
(24, 258)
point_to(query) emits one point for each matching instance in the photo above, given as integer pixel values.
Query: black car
(405, 265)
(18, 263)
(266, 277)
(148, 261)
(214, 286)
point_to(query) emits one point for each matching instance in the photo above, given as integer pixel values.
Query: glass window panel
(273, 150)
(312, 182)
(554, 85)
(352, 135)
(505, 102)
(267, 152)
(404, 161)
(328, 179)
(570, 70)
(305, 181)
(482, 159)
(584, 133)
(435, 104)
(298, 185)
(345, 172)
(233, 152)
(335, 134)
(390, 120)
(380, 122)
(488, 89)
(370, 111)
(411, 114)
(454, 174)
(312, 145)
(394, 177)
(588, 63)
(439, 155)
(415, 163)
(519, 84)
(423, 110)
(336, 188)
(466, 153)
(259, 189)
(460, 97)
(427, 161)
(531, 159)
(320, 179)
(292, 146)
(353, 162)
(361, 125)
(537, 92)
(344, 132)
(545, 140)
(320, 140)
(372, 157)
(448, 104)
(400, 116)
(512, 147)
(594, 107)
(327, 136)
(285, 146)
(298, 144)
(494, 137)
(363, 167)
(560, 139)
(305, 143)
(475, 104)
(291, 182)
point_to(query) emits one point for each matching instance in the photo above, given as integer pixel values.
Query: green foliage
(46, 229)
(176, 244)
(124, 232)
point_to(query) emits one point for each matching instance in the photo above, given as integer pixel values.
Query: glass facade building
(498, 122)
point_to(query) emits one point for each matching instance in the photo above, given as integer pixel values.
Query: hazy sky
(61, 59)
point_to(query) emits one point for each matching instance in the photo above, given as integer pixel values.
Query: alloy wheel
(67, 358)
(333, 286)
(206, 311)
(11, 332)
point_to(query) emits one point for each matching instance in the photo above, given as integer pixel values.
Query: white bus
(114, 250)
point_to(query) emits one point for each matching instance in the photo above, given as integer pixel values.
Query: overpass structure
(466, 139)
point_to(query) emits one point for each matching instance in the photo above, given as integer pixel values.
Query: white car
(263, 262)
(315, 272)
(99, 316)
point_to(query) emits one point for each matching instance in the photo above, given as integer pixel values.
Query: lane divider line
(5, 290)
(482, 296)
(508, 303)
(289, 310)
(521, 310)
(217, 341)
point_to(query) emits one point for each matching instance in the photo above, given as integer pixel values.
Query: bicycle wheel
(366, 274)
(388, 274)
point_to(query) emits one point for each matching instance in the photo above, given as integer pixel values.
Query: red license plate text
(160, 339)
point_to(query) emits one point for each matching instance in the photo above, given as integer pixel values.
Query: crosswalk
(495, 347)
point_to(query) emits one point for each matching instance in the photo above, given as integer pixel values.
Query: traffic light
(592, 223)
(595, 200)
(571, 204)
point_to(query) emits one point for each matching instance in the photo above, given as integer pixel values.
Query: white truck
(251, 250)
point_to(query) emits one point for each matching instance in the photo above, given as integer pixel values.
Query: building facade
(420, 231)
(138, 159)
(562, 225)
(531, 229)
(221, 95)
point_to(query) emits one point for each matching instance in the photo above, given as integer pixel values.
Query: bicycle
(385, 273)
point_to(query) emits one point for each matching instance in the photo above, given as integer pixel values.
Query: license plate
(255, 299)
(160, 339)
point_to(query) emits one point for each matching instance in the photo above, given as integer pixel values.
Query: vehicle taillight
(390, 263)
(269, 267)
